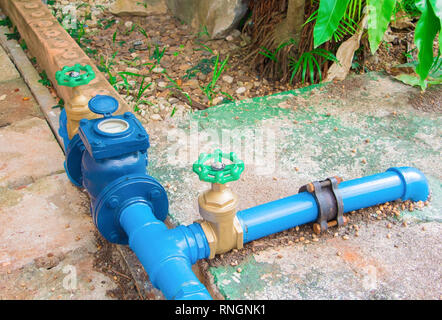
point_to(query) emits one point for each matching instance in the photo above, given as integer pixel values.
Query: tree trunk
(292, 25)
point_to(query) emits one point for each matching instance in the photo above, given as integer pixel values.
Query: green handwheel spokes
(75, 76)
(218, 172)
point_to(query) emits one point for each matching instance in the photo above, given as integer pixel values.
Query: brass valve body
(218, 207)
(77, 109)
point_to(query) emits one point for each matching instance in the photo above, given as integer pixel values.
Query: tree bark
(292, 25)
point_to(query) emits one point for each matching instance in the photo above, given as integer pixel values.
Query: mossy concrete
(358, 127)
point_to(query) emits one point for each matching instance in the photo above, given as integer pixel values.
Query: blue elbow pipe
(396, 183)
(108, 157)
(167, 255)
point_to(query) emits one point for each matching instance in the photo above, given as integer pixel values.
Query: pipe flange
(328, 199)
(72, 165)
(118, 195)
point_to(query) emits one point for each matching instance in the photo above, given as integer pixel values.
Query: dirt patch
(346, 88)
(109, 262)
(429, 101)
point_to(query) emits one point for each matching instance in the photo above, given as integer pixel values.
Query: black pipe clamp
(329, 200)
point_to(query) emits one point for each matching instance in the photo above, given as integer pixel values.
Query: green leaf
(437, 9)
(426, 30)
(329, 15)
(379, 16)
(409, 79)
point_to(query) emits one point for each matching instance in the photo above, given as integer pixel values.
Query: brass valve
(77, 108)
(218, 205)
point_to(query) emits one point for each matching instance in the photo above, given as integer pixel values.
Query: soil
(188, 62)
(110, 262)
(430, 100)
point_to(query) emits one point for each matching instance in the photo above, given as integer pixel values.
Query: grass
(308, 62)
(218, 68)
(44, 79)
(157, 54)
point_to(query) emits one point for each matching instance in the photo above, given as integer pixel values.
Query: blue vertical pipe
(166, 254)
(404, 183)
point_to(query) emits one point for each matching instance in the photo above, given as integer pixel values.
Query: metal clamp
(329, 200)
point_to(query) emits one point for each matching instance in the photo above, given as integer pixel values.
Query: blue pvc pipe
(396, 183)
(276, 216)
(166, 254)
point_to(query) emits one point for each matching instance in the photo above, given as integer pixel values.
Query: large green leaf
(437, 9)
(330, 13)
(426, 30)
(379, 16)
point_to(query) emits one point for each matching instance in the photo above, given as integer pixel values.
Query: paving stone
(28, 151)
(7, 68)
(49, 216)
(73, 278)
(15, 105)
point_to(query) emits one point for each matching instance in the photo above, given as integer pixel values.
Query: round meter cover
(112, 126)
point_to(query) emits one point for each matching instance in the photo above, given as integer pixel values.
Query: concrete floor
(358, 127)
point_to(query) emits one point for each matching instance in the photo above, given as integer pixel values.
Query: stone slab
(7, 68)
(28, 151)
(49, 216)
(16, 103)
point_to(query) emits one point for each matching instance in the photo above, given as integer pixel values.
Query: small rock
(235, 33)
(228, 79)
(132, 70)
(158, 70)
(217, 100)
(3, 97)
(128, 24)
(229, 38)
(156, 117)
(241, 90)
(193, 84)
(345, 237)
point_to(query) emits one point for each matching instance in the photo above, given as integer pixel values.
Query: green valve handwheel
(217, 171)
(75, 76)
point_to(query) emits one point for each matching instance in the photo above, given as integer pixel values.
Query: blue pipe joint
(416, 187)
(121, 193)
(167, 254)
(405, 183)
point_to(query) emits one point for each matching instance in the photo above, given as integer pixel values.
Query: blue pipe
(396, 183)
(167, 255)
